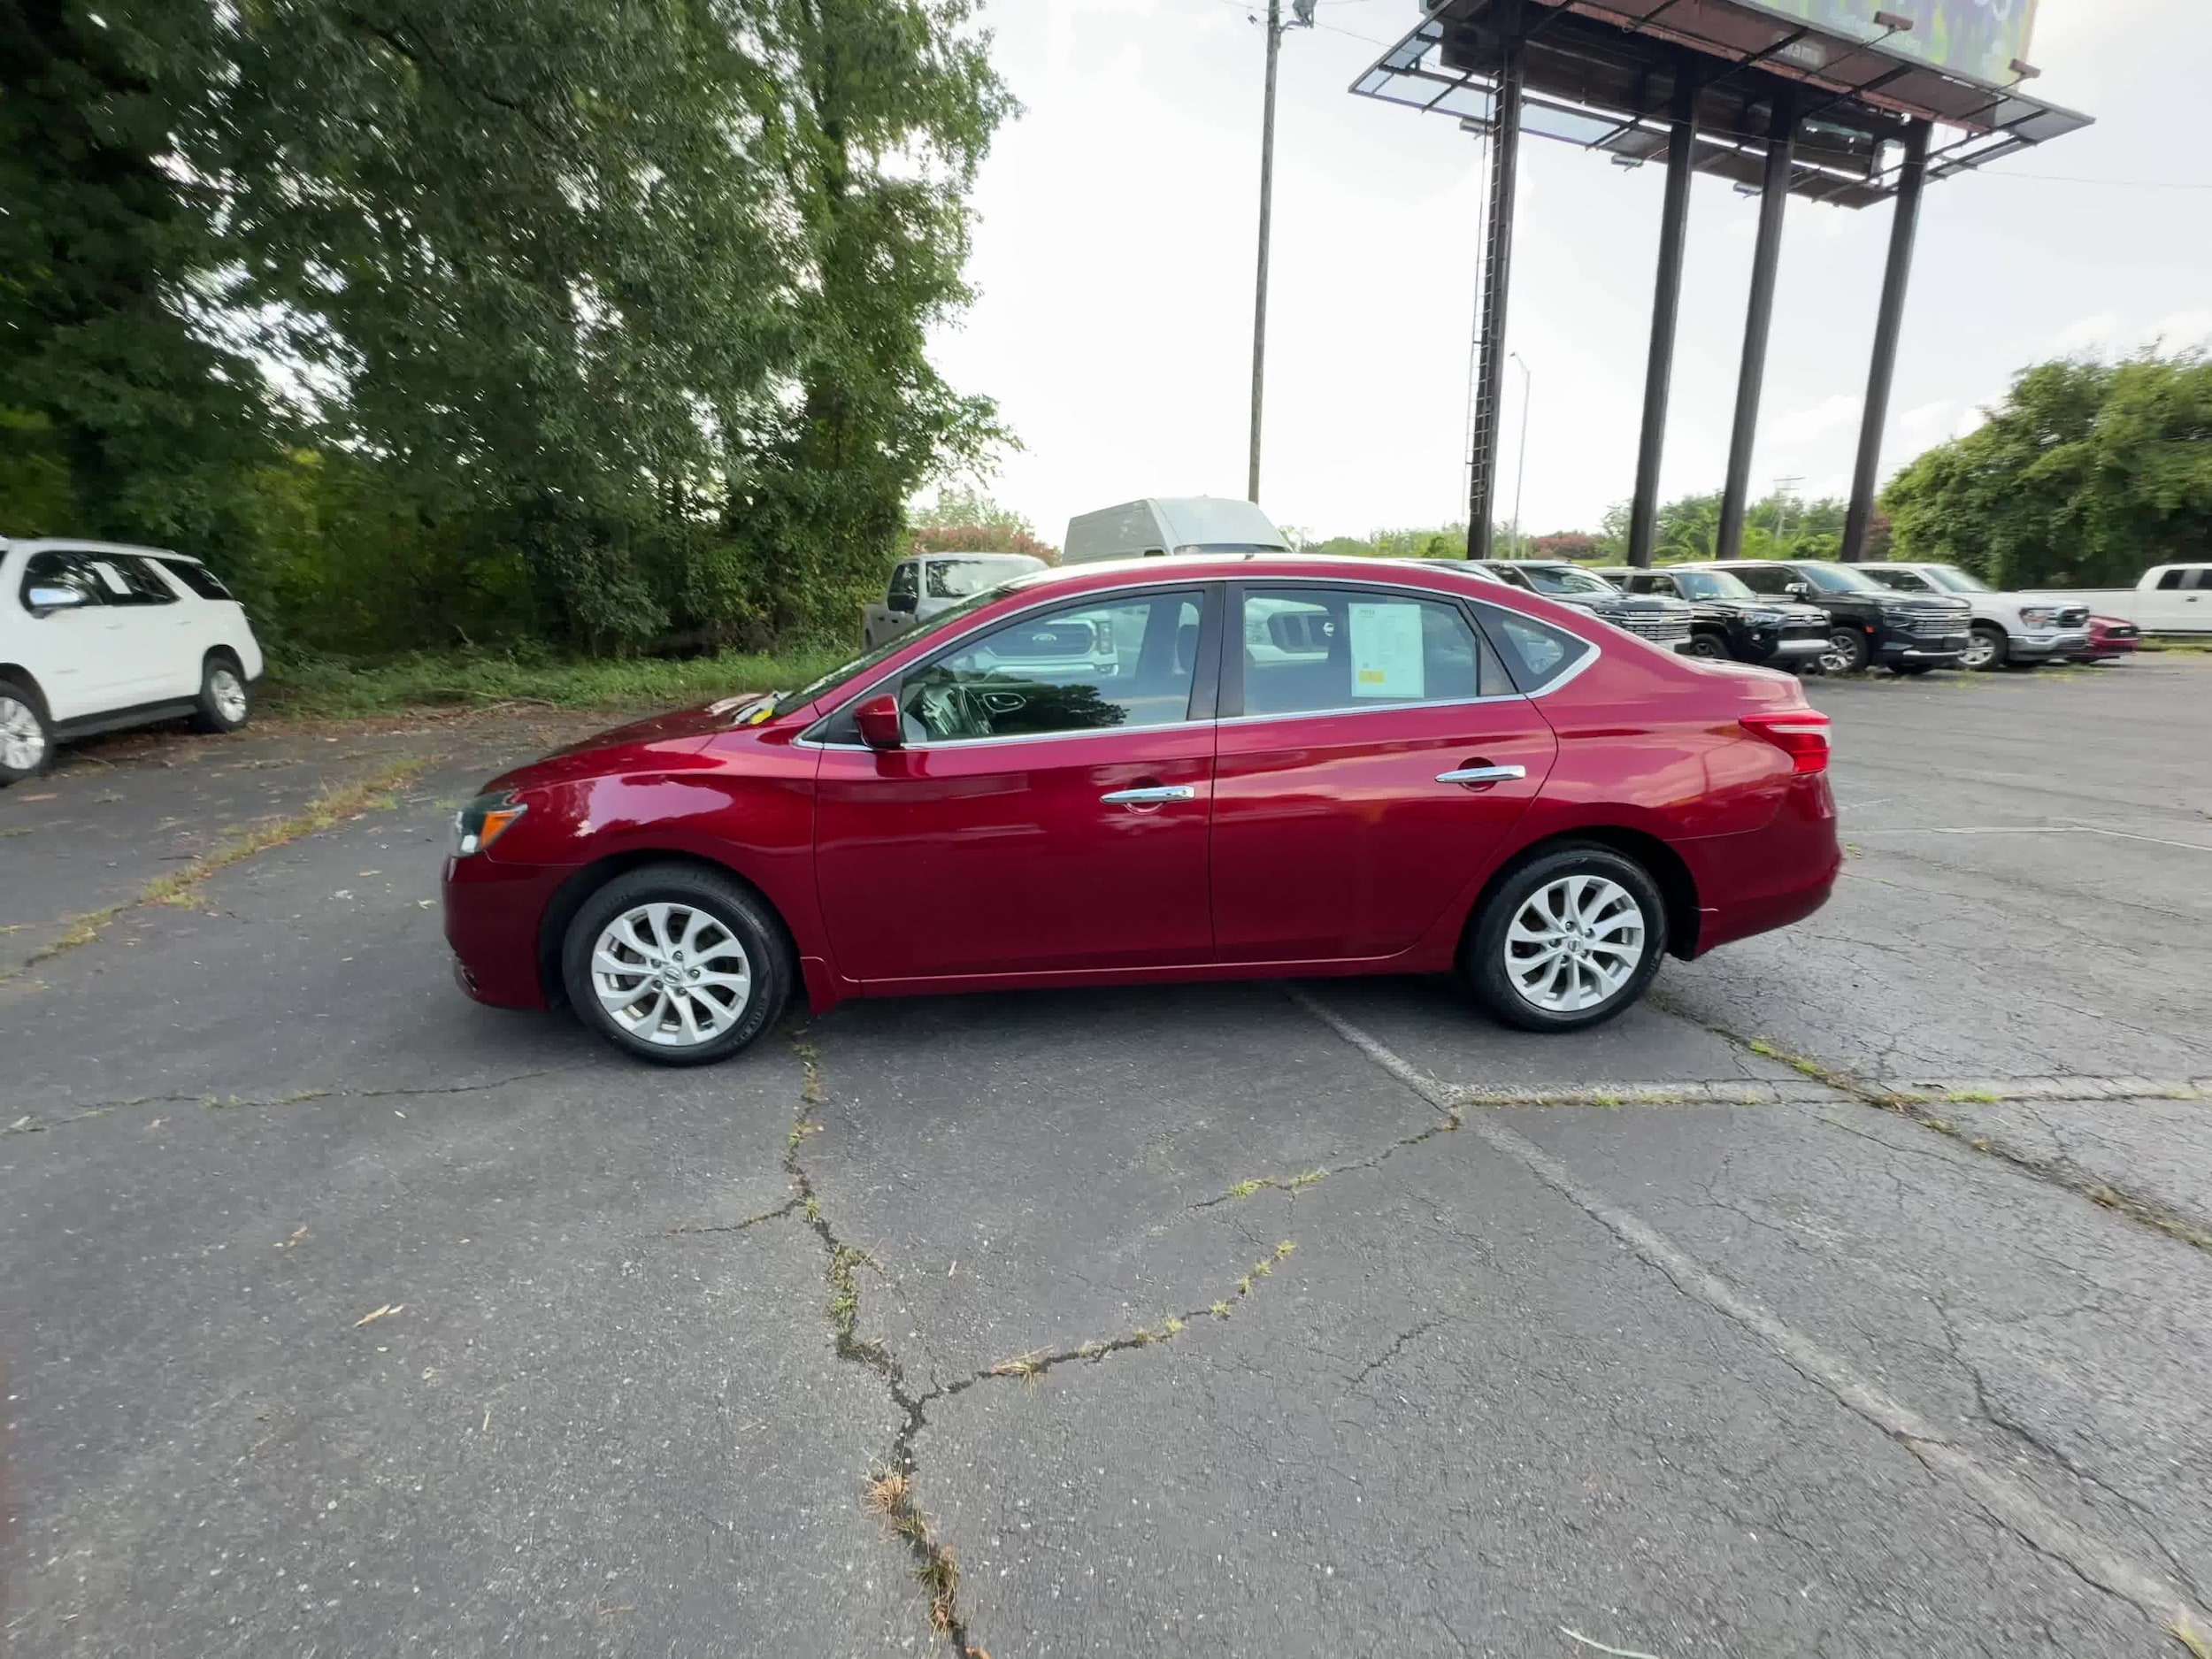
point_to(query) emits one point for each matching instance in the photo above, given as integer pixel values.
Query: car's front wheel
(676, 964)
(1847, 652)
(224, 703)
(1568, 940)
(1985, 649)
(1713, 646)
(27, 742)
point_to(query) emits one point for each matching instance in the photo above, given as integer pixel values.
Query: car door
(1049, 810)
(1371, 756)
(160, 622)
(76, 653)
(2181, 601)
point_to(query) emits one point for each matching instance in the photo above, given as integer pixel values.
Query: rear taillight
(1800, 733)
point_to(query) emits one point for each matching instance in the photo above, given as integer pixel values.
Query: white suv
(94, 636)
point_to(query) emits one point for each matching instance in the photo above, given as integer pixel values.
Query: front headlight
(2038, 615)
(483, 821)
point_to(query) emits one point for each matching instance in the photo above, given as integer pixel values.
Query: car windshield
(1957, 580)
(1839, 579)
(964, 578)
(789, 701)
(1559, 578)
(1711, 585)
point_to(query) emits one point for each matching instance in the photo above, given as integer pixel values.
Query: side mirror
(1800, 590)
(903, 604)
(881, 726)
(45, 599)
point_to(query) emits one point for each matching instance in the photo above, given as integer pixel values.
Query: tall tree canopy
(599, 318)
(2087, 473)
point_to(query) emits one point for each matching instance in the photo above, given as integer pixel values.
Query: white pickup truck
(929, 582)
(2169, 599)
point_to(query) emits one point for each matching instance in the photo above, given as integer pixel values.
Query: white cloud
(2098, 332)
(2181, 330)
(1830, 415)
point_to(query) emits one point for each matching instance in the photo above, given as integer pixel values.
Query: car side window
(132, 581)
(1766, 579)
(2201, 579)
(1118, 664)
(905, 582)
(198, 578)
(72, 570)
(1538, 654)
(1663, 586)
(1309, 651)
(2170, 582)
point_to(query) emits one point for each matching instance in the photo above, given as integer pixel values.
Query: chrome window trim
(1444, 595)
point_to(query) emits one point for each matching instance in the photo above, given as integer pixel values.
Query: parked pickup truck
(1664, 622)
(2170, 599)
(2019, 628)
(929, 582)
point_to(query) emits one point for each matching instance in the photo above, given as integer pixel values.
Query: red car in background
(2109, 638)
(1196, 768)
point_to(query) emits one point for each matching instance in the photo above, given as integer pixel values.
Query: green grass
(326, 687)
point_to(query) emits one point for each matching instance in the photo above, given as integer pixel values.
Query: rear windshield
(962, 579)
(1839, 579)
(1561, 579)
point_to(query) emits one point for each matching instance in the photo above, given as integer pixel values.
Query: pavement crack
(183, 887)
(1921, 1109)
(1396, 1347)
(787, 1207)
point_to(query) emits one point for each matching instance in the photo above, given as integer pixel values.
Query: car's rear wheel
(27, 742)
(1568, 940)
(1847, 652)
(226, 702)
(676, 964)
(1985, 649)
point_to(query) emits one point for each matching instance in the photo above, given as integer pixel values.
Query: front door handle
(1159, 795)
(1484, 774)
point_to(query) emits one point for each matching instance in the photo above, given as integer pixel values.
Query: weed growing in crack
(1246, 1189)
(936, 1564)
(1311, 1178)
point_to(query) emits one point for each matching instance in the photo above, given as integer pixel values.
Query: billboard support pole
(1666, 306)
(1497, 276)
(1903, 229)
(1758, 324)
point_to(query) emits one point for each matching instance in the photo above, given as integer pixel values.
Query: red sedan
(1205, 768)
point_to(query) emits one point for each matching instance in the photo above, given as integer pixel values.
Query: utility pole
(1520, 475)
(1275, 28)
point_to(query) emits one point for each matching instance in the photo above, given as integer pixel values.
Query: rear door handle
(1159, 795)
(1484, 774)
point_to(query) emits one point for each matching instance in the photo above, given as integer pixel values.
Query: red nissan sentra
(1199, 768)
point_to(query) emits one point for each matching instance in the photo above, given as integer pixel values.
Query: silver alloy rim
(22, 739)
(671, 974)
(1838, 657)
(1981, 651)
(1574, 943)
(229, 695)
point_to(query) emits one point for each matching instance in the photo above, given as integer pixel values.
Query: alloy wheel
(1842, 655)
(671, 975)
(1574, 943)
(22, 738)
(227, 692)
(1981, 651)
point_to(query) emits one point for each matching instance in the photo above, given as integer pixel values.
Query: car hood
(662, 740)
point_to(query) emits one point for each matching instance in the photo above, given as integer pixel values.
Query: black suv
(1728, 620)
(1664, 622)
(1906, 633)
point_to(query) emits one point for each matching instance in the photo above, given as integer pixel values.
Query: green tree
(118, 416)
(2087, 473)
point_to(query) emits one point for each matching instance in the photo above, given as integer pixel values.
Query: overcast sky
(1114, 259)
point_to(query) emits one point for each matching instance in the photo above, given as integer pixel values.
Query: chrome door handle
(1158, 796)
(1484, 774)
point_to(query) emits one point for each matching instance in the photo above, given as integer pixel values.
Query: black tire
(1484, 958)
(23, 727)
(1996, 642)
(724, 902)
(225, 699)
(1847, 652)
(1712, 647)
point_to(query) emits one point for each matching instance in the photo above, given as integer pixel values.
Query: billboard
(1978, 39)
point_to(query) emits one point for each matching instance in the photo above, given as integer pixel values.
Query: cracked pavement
(342, 1315)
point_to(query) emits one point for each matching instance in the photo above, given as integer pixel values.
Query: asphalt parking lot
(1853, 1298)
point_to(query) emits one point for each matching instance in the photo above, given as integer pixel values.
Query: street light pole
(1275, 28)
(1520, 475)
